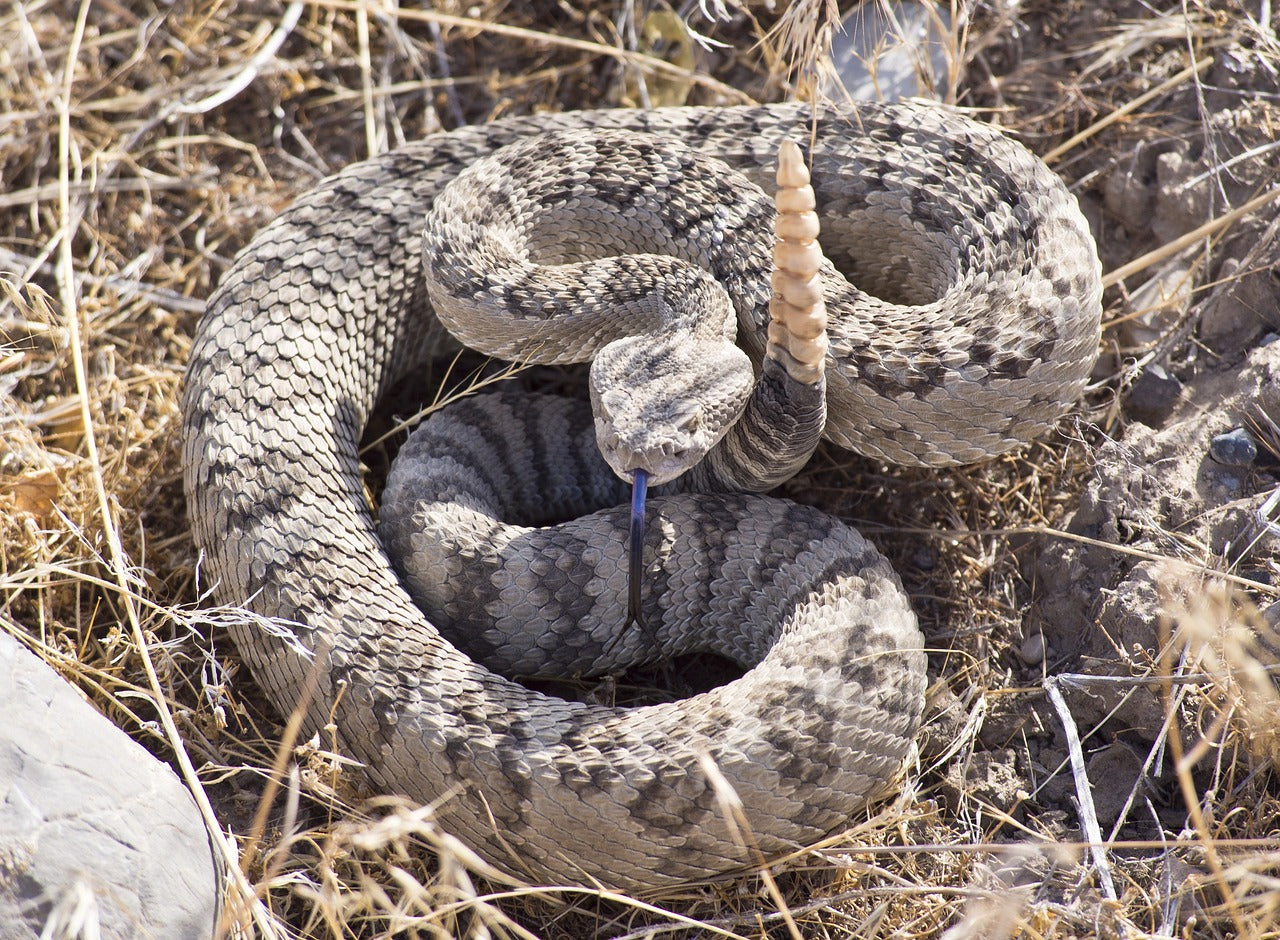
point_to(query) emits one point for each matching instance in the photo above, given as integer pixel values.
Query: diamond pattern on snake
(962, 299)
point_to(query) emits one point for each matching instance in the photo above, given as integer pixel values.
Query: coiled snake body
(978, 327)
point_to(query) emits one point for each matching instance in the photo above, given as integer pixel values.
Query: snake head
(661, 402)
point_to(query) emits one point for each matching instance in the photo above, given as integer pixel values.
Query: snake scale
(973, 326)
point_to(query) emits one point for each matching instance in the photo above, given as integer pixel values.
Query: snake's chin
(659, 470)
(664, 447)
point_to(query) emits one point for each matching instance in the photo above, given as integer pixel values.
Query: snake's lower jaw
(661, 462)
(657, 473)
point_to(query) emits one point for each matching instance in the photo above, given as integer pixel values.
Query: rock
(1032, 650)
(1237, 534)
(92, 827)
(892, 51)
(925, 558)
(1245, 303)
(1113, 772)
(1126, 639)
(1184, 197)
(946, 719)
(1129, 195)
(1235, 448)
(1153, 396)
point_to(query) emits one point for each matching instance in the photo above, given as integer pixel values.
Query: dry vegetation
(142, 144)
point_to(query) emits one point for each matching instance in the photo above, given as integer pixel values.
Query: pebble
(1032, 650)
(1235, 448)
(1233, 320)
(1153, 396)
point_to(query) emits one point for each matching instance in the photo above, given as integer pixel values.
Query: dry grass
(141, 145)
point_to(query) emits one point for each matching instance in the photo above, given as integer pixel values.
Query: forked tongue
(635, 540)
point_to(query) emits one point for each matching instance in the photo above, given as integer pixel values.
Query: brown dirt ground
(1104, 594)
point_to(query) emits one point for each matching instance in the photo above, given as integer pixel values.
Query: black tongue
(635, 541)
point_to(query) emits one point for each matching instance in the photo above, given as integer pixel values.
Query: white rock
(887, 51)
(93, 828)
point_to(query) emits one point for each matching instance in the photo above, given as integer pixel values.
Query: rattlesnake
(327, 308)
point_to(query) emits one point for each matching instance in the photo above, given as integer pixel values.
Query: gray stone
(891, 51)
(1153, 396)
(1129, 197)
(93, 829)
(1244, 304)
(1032, 651)
(1184, 197)
(1114, 772)
(1235, 448)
